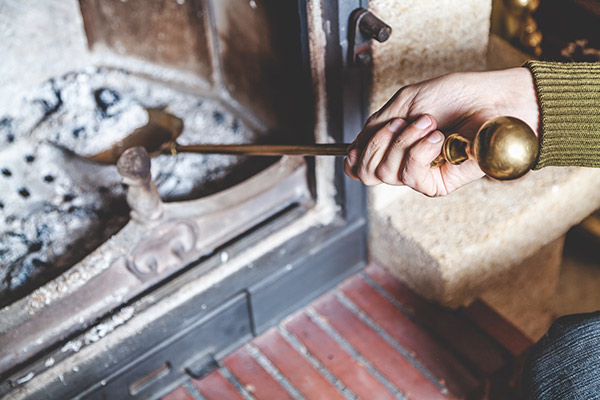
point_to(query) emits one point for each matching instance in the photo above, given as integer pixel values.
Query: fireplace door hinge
(364, 26)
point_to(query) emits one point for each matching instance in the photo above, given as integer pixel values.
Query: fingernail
(423, 122)
(396, 125)
(435, 137)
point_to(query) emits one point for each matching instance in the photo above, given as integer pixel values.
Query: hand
(399, 142)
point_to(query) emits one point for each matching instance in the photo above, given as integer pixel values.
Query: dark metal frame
(196, 334)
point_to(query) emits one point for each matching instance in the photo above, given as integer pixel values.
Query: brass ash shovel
(505, 147)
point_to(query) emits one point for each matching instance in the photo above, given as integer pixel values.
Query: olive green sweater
(569, 99)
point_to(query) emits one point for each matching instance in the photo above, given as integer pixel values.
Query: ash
(55, 206)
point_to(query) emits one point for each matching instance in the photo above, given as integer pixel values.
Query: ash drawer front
(187, 352)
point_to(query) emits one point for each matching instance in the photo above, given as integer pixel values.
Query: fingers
(416, 171)
(375, 150)
(372, 125)
(388, 168)
(371, 151)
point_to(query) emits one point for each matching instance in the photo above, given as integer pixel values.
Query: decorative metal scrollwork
(167, 247)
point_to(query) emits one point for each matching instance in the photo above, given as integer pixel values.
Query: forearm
(569, 98)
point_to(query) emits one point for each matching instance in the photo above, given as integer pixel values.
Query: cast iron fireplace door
(163, 246)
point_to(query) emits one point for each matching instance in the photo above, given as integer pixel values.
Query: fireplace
(233, 244)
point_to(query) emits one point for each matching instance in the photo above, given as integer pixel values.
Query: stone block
(525, 297)
(451, 249)
(429, 38)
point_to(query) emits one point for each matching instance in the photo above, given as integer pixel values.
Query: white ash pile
(56, 207)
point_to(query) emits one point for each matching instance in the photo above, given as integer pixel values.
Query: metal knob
(505, 148)
(372, 27)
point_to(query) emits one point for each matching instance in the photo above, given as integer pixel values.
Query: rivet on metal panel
(373, 27)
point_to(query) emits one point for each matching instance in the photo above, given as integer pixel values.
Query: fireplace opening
(213, 245)
(58, 207)
(245, 90)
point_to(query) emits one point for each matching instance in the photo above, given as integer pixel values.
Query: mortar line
(399, 305)
(236, 383)
(323, 324)
(434, 335)
(272, 370)
(391, 341)
(334, 380)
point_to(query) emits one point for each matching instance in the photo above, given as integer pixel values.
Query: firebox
(143, 285)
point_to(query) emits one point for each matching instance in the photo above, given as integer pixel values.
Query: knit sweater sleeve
(569, 99)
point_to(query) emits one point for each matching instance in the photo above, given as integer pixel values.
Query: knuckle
(412, 158)
(366, 177)
(409, 181)
(398, 144)
(408, 178)
(374, 145)
(361, 173)
(386, 174)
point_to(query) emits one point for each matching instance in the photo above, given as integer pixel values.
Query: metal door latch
(364, 26)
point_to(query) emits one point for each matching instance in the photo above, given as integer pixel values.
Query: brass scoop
(505, 147)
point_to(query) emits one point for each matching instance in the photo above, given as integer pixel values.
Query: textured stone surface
(429, 38)
(525, 298)
(501, 55)
(452, 248)
(578, 285)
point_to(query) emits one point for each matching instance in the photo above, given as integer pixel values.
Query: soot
(24, 193)
(50, 106)
(105, 98)
(76, 132)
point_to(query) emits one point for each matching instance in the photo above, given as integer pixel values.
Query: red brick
(216, 387)
(511, 338)
(391, 364)
(467, 340)
(179, 394)
(348, 370)
(255, 379)
(429, 353)
(295, 367)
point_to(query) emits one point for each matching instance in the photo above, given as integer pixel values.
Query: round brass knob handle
(505, 148)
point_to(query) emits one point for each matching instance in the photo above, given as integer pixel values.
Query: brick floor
(179, 394)
(371, 338)
(256, 380)
(444, 366)
(468, 340)
(216, 387)
(353, 374)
